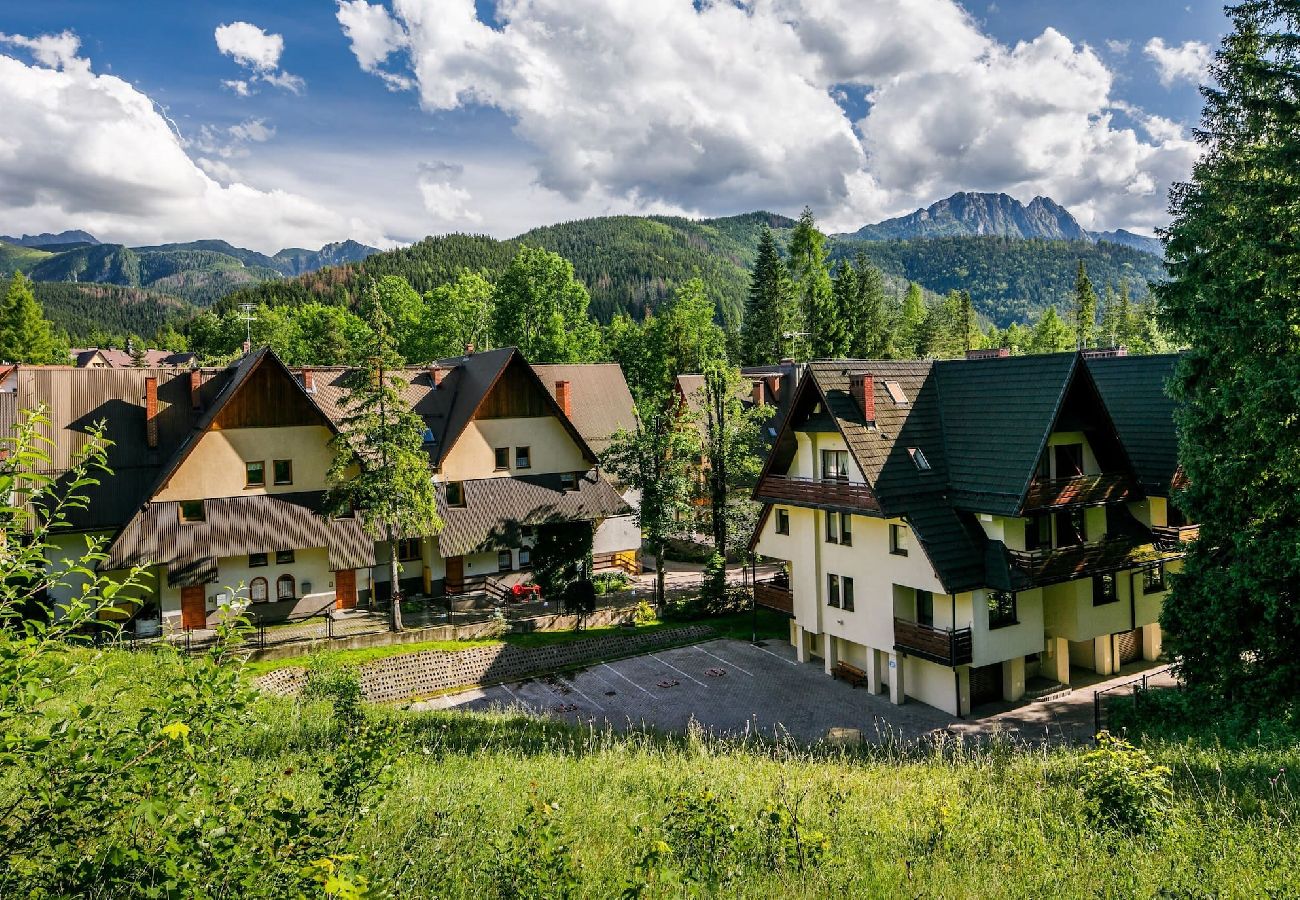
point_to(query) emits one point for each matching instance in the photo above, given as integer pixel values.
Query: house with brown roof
(220, 477)
(113, 358)
(958, 531)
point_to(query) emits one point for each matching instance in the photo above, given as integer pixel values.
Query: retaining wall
(430, 671)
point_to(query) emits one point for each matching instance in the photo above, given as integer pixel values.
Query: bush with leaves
(1123, 786)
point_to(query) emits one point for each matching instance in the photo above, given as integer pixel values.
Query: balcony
(774, 596)
(1081, 490)
(947, 647)
(1052, 566)
(820, 493)
(1175, 537)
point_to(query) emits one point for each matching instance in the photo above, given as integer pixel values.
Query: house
(956, 529)
(220, 478)
(111, 358)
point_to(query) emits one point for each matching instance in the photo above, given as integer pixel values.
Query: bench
(850, 673)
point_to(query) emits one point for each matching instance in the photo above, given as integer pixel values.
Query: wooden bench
(850, 673)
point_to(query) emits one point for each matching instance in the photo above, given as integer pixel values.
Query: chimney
(1105, 352)
(991, 353)
(759, 392)
(196, 382)
(151, 412)
(469, 349)
(564, 397)
(248, 347)
(863, 388)
(774, 387)
(436, 375)
(309, 381)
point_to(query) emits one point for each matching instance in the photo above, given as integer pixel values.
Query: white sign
(893, 664)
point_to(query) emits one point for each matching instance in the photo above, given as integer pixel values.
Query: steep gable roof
(600, 401)
(1135, 391)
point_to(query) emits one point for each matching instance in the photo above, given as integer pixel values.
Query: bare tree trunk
(395, 594)
(660, 599)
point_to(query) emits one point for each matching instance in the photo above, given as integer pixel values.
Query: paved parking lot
(729, 687)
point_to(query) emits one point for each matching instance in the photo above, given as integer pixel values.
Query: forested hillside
(108, 313)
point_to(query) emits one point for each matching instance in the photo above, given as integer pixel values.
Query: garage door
(1130, 646)
(985, 684)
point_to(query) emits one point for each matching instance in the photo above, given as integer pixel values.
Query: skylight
(896, 393)
(919, 458)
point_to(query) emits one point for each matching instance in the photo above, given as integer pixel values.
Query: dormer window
(568, 481)
(922, 464)
(835, 465)
(455, 493)
(428, 437)
(192, 511)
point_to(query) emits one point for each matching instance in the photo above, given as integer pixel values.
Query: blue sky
(389, 122)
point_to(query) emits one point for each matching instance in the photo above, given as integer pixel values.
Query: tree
(626, 344)
(970, 330)
(812, 282)
(683, 337)
(452, 317)
(911, 323)
(1232, 621)
(733, 452)
(1085, 309)
(380, 471)
(842, 313)
(657, 461)
(1051, 334)
(767, 307)
(542, 309)
(868, 330)
(25, 334)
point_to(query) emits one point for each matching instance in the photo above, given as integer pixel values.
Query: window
(783, 521)
(255, 474)
(846, 530)
(455, 493)
(1105, 589)
(505, 562)
(846, 593)
(285, 589)
(925, 607)
(918, 458)
(1038, 533)
(898, 539)
(258, 590)
(283, 557)
(525, 557)
(429, 437)
(283, 471)
(255, 560)
(568, 481)
(895, 391)
(832, 528)
(502, 458)
(833, 590)
(1069, 460)
(523, 458)
(528, 531)
(1153, 580)
(408, 549)
(1002, 609)
(835, 465)
(192, 511)
(1070, 528)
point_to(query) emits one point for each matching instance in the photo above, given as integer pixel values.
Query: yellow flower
(176, 731)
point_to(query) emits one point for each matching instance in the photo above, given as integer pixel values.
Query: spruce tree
(869, 334)
(1051, 334)
(841, 322)
(767, 306)
(1085, 309)
(25, 334)
(812, 282)
(911, 323)
(1232, 621)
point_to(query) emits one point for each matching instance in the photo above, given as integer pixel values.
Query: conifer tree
(1051, 334)
(970, 333)
(767, 307)
(812, 281)
(25, 334)
(841, 323)
(1085, 309)
(1232, 621)
(1108, 330)
(911, 323)
(869, 333)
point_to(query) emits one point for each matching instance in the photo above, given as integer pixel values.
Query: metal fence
(1136, 688)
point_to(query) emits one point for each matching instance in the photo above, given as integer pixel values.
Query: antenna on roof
(248, 319)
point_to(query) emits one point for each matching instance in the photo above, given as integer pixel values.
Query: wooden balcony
(820, 493)
(774, 596)
(1081, 490)
(1173, 537)
(1052, 566)
(947, 647)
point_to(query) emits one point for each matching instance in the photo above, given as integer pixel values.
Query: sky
(300, 122)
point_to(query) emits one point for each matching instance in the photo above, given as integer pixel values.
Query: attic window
(919, 459)
(896, 393)
(429, 437)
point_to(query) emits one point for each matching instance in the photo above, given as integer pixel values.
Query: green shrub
(536, 863)
(644, 613)
(1123, 786)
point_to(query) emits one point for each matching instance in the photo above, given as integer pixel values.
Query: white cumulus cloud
(258, 51)
(718, 106)
(444, 199)
(91, 151)
(1188, 61)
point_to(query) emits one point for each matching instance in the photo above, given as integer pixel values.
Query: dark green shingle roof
(1134, 390)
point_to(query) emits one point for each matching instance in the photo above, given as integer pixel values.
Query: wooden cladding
(817, 492)
(268, 397)
(947, 647)
(516, 395)
(151, 412)
(774, 596)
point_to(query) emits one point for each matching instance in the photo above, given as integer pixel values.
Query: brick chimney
(196, 383)
(309, 381)
(863, 388)
(469, 349)
(774, 387)
(248, 347)
(151, 412)
(436, 375)
(564, 397)
(990, 353)
(759, 393)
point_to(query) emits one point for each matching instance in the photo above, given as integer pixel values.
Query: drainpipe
(956, 685)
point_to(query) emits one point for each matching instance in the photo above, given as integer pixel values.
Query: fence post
(329, 627)
(1096, 715)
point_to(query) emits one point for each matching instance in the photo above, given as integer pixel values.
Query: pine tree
(869, 333)
(1085, 309)
(1109, 330)
(767, 307)
(812, 281)
(25, 334)
(970, 333)
(1126, 325)
(843, 317)
(1232, 620)
(380, 472)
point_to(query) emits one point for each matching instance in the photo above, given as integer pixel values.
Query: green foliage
(540, 308)
(1231, 618)
(868, 334)
(769, 309)
(1123, 786)
(454, 315)
(701, 831)
(1085, 309)
(25, 334)
(811, 280)
(713, 586)
(536, 863)
(1051, 334)
(734, 450)
(561, 555)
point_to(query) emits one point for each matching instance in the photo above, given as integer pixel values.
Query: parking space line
(585, 697)
(518, 699)
(677, 670)
(793, 662)
(721, 660)
(625, 678)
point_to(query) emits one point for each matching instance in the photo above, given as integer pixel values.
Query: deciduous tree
(541, 308)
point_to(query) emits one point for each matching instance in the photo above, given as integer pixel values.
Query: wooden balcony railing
(947, 647)
(817, 492)
(1052, 566)
(774, 596)
(1172, 537)
(1081, 490)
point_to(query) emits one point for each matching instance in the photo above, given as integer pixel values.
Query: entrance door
(345, 589)
(455, 574)
(194, 607)
(985, 684)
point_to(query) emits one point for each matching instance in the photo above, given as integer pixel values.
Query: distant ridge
(1129, 239)
(46, 239)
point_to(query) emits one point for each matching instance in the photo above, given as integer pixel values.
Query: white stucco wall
(551, 449)
(215, 467)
